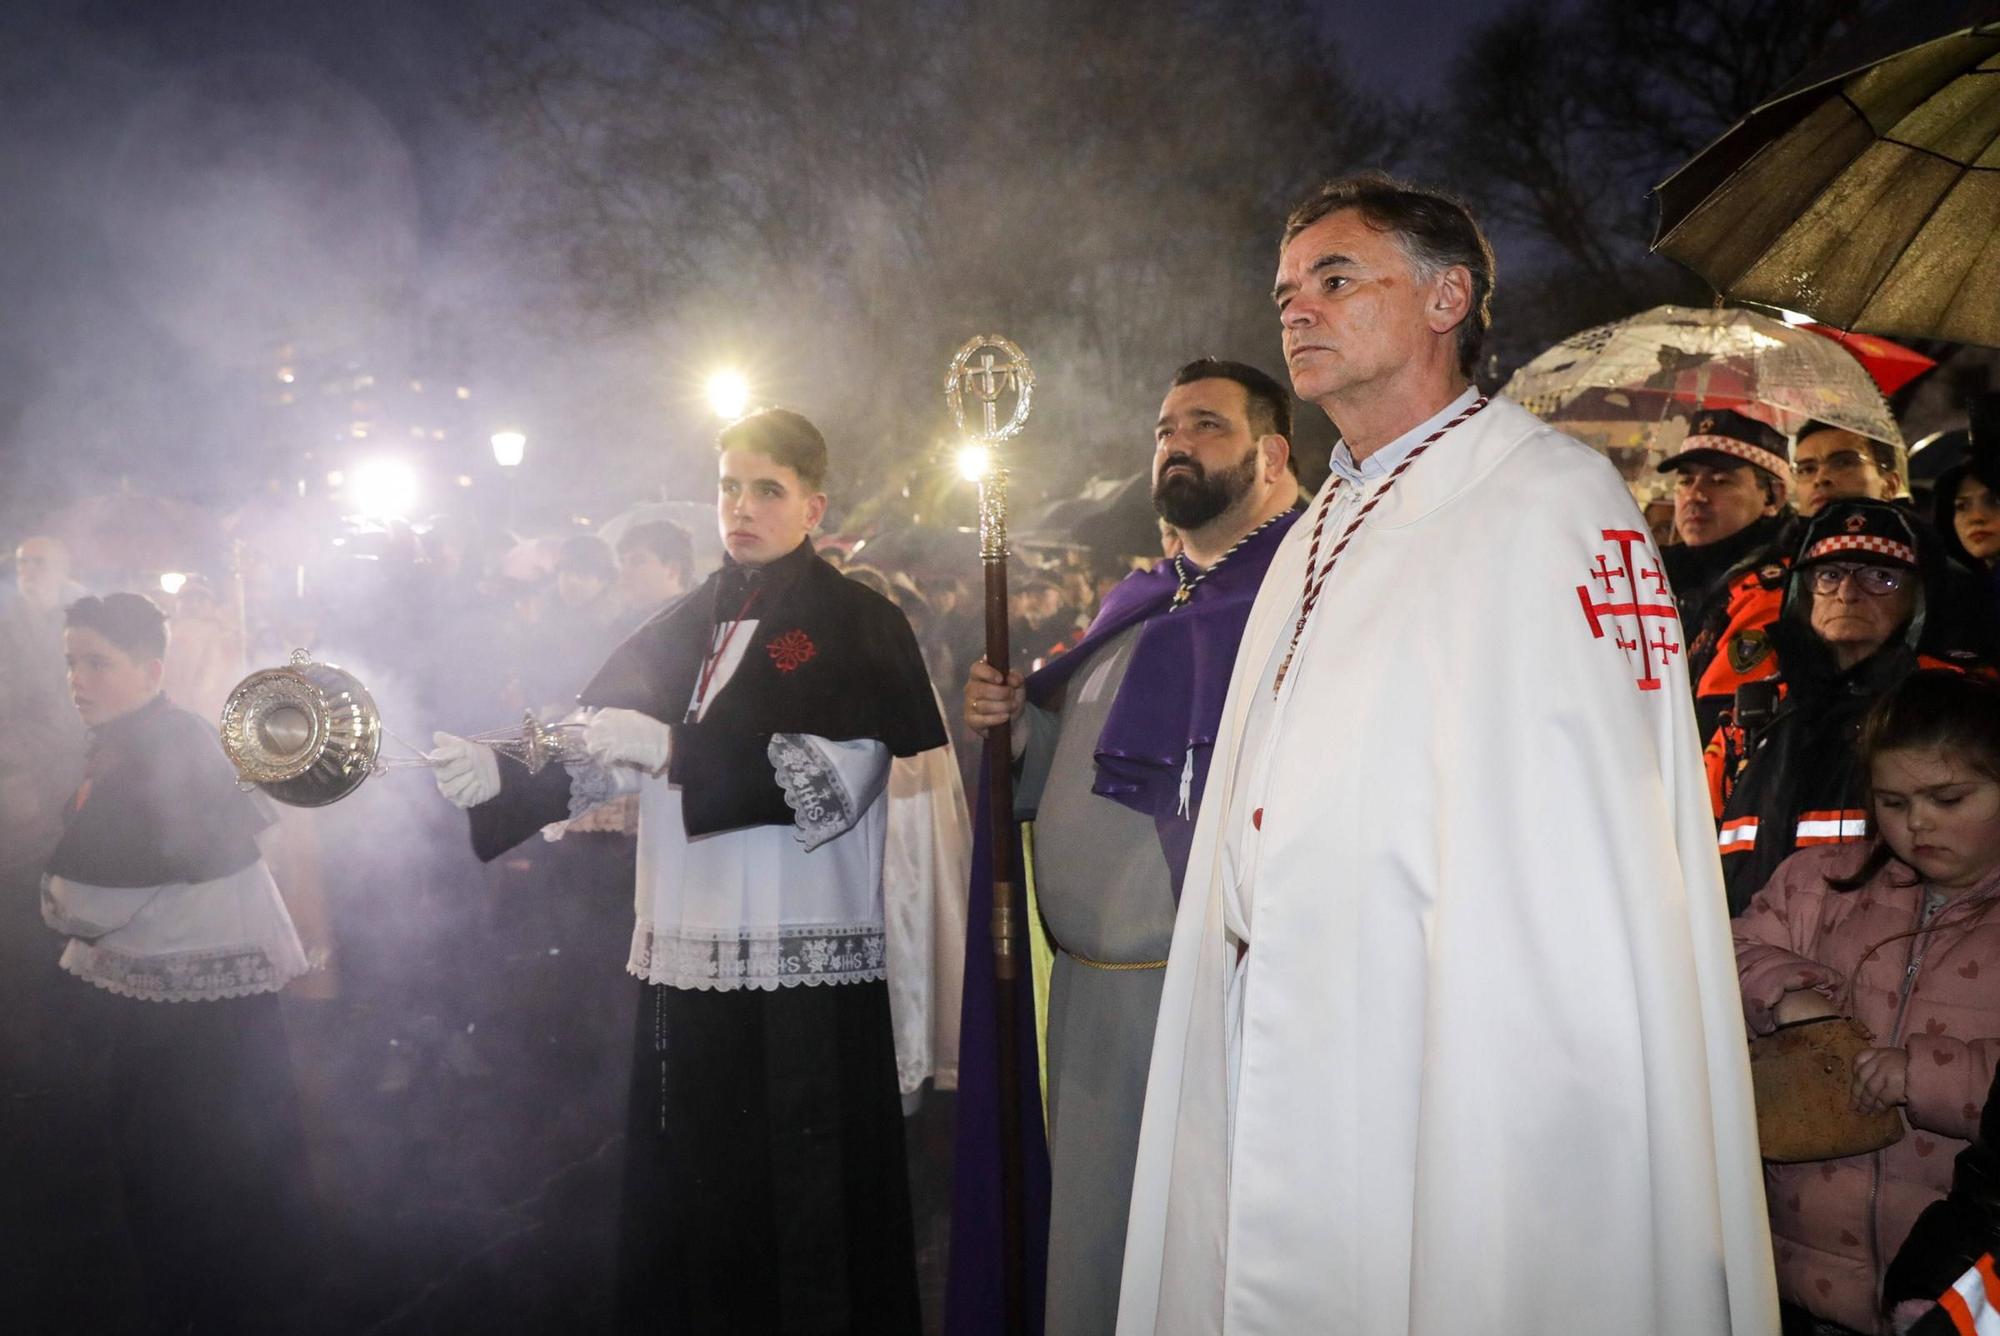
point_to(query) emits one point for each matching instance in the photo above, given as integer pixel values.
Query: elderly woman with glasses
(1856, 621)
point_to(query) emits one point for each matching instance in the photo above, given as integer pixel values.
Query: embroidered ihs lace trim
(822, 807)
(184, 976)
(769, 958)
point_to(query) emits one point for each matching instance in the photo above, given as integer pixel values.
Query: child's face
(104, 680)
(1939, 814)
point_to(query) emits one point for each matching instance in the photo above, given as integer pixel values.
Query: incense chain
(1315, 573)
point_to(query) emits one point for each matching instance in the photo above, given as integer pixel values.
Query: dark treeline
(839, 193)
(580, 210)
(1558, 122)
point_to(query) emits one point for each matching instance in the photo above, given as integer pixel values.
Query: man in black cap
(1858, 617)
(1730, 491)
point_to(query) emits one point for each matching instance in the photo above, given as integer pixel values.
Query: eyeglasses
(1840, 461)
(1878, 581)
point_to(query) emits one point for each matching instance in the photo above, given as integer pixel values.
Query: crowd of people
(1384, 848)
(1842, 646)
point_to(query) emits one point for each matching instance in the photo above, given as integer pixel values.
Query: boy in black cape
(756, 718)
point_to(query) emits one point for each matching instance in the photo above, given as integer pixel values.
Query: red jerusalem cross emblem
(1617, 572)
(790, 650)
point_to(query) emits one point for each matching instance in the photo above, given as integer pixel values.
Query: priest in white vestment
(1450, 1039)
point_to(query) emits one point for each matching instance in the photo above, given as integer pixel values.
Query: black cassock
(765, 1185)
(192, 1100)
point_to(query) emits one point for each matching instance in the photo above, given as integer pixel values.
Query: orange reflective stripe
(1973, 1301)
(1714, 759)
(1737, 836)
(1961, 1316)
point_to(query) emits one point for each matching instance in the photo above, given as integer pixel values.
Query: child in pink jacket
(1900, 933)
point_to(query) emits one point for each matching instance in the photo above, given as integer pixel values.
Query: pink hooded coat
(1836, 1224)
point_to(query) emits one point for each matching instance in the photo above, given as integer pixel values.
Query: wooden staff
(984, 381)
(1006, 934)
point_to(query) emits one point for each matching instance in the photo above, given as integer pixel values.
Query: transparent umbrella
(1629, 386)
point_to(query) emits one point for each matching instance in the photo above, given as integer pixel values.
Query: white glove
(467, 773)
(627, 737)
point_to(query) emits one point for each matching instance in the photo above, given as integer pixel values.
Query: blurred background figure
(587, 579)
(43, 757)
(655, 567)
(1966, 509)
(42, 575)
(205, 651)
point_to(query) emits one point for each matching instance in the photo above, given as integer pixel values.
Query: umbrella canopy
(1937, 452)
(1866, 194)
(920, 547)
(1123, 523)
(1890, 365)
(1667, 362)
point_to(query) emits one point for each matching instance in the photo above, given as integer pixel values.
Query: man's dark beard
(1188, 502)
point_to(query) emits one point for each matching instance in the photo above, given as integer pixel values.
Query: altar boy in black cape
(756, 718)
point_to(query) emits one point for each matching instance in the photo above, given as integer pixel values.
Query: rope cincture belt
(1082, 959)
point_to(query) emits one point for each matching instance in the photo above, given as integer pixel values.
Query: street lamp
(384, 489)
(728, 394)
(509, 448)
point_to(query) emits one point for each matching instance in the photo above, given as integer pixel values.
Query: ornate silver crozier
(309, 733)
(985, 369)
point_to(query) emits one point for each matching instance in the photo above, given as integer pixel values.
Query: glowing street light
(171, 582)
(974, 461)
(384, 489)
(728, 394)
(508, 448)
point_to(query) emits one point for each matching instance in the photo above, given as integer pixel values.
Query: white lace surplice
(178, 942)
(768, 906)
(764, 906)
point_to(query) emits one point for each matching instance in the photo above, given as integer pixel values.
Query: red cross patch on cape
(790, 650)
(1627, 598)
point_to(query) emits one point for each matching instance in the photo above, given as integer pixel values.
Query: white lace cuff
(828, 785)
(592, 785)
(758, 958)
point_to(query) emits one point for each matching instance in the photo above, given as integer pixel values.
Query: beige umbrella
(1867, 193)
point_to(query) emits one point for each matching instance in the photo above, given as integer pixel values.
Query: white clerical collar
(1395, 452)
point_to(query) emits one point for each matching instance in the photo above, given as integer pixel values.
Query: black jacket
(159, 803)
(1803, 760)
(1701, 577)
(831, 658)
(1953, 1233)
